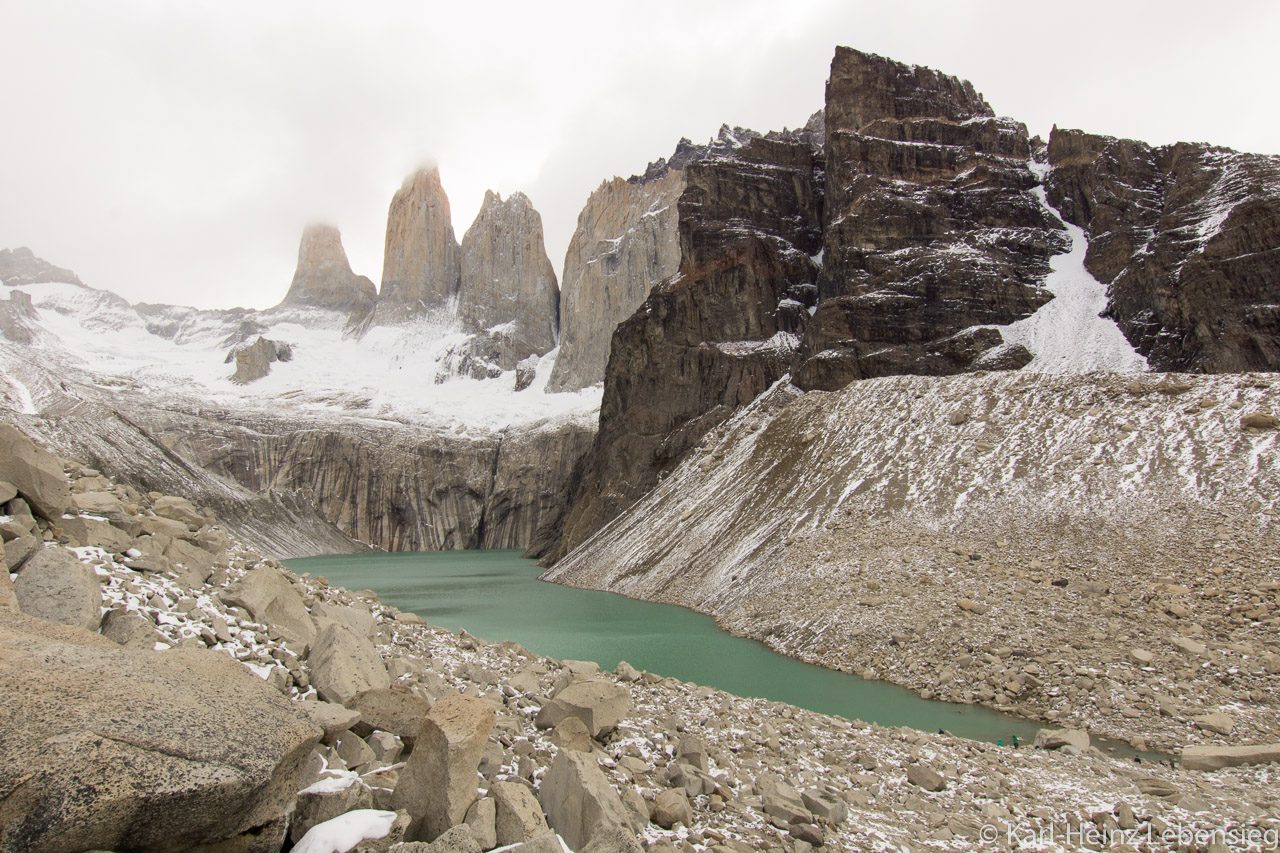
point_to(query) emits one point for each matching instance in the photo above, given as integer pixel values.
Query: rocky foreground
(168, 689)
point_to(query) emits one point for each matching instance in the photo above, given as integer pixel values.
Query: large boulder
(34, 472)
(344, 665)
(355, 617)
(1070, 739)
(128, 628)
(672, 807)
(272, 600)
(519, 817)
(178, 509)
(119, 749)
(578, 800)
(1217, 757)
(95, 533)
(55, 585)
(599, 703)
(325, 800)
(438, 783)
(333, 718)
(392, 709)
(18, 550)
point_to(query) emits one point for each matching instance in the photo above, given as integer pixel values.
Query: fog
(174, 151)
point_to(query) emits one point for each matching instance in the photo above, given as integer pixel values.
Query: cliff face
(324, 279)
(625, 242)
(420, 267)
(712, 337)
(1187, 238)
(508, 291)
(392, 487)
(874, 241)
(932, 227)
(310, 485)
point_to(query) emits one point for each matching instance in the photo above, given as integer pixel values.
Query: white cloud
(174, 151)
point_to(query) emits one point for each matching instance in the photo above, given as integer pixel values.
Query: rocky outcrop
(864, 88)
(877, 252)
(139, 750)
(16, 314)
(21, 266)
(439, 781)
(393, 487)
(54, 585)
(33, 473)
(420, 266)
(626, 241)
(324, 279)
(136, 449)
(254, 361)
(508, 289)
(714, 335)
(931, 226)
(1185, 238)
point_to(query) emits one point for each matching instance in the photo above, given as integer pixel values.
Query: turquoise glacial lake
(496, 595)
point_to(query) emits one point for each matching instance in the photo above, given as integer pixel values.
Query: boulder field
(169, 689)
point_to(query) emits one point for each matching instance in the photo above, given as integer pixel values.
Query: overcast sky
(173, 151)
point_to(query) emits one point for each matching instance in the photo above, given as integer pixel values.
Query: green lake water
(496, 595)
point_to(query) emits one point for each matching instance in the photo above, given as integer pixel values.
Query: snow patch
(388, 373)
(1068, 335)
(346, 831)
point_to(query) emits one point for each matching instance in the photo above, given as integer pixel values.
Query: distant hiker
(999, 741)
(1015, 741)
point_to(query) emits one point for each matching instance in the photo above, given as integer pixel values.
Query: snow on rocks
(344, 832)
(1068, 334)
(680, 766)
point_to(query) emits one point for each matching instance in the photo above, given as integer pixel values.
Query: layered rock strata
(891, 248)
(931, 227)
(324, 279)
(1187, 239)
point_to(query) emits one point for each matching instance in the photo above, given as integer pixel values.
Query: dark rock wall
(712, 337)
(870, 254)
(931, 227)
(1187, 238)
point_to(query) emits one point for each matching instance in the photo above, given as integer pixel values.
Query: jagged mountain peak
(420, 272)
(323, 277)
(22, 266)
(517, 200)
(864, 87)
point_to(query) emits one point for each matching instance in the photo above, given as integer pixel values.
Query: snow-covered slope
(399, 372)
(372, 434)
(856, 529)
(1069, 334)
